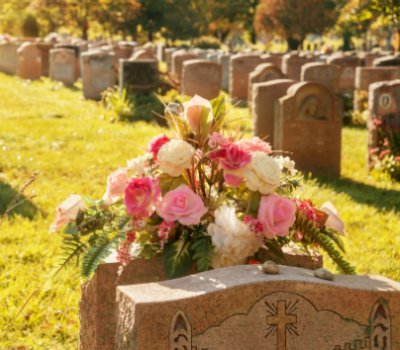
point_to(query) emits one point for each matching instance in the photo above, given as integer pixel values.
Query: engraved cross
(281, 320)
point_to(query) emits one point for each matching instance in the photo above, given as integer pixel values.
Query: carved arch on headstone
(180, 336)
(380, 323)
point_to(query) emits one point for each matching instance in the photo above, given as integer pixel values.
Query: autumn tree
(391, 9)
(294, 19)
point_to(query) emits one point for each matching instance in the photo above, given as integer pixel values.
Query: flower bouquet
(203, 196)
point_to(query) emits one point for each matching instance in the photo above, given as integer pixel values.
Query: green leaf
(203, 253)
(71, 229)
(177, 258)
(275, 248)
(72, 248)
(218, 105)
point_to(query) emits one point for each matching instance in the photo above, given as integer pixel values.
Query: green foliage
(207, 42)
(118, 104)
(30, 26)
(203, 253)
(95, 255)
(177, 257)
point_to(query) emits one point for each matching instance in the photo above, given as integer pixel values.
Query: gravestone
(98, 73)
(384, 106)
(348, 65)
(213, 56)
(365, 76)
(168, 57)
(178, 58)
(62, 66)
(138, 76)
(160, 52)
(265, 105)
(369, 57)
(122, 51)
(201, 77)
(45, 48)
(327, 74)
(8, 57)
(291, 64)
(310, 126)
(77, 50)
(241, 308)
(262, 73)
(29, 61)
(224, 60)
(241, 65)
(142, 54)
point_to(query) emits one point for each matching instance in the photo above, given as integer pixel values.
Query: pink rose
(276, 214)
(182, 205)
(232, 157)
(255, 144)
(116, 183)
(67, 212)
(333, 221)
(216, 139)
(156, 143)
(141, 196)
(196, 111)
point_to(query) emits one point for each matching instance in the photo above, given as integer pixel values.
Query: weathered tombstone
(262, 73)
(291, 64)
(213, 56)
(310, 126)
(62, 66)
(327, 74)
(160, 52)
(29, 62)
(265, 105)
(168, 57)
(45, 52)
(138, 76)
(201, 77)
(365, 76)
(369, 57)
(348, 65)
(77, 50)
(178, 58)
(241, 65)
(122, 50)
(224, 60)
(241, 308)
(384, 106)
(98, 73)
(393, 60)
(8, 57)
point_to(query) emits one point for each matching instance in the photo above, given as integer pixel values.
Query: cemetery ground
(48, 128)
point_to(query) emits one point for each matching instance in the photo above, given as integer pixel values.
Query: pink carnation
(182, 205)
(141, 196)
(232, 157)
(156, 143)
(116, 183)
(217, 140)
(276, 214)
(255, 144)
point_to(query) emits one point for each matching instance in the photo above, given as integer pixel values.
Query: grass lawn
(50, 129)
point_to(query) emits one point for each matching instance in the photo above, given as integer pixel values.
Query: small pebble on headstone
(324, 274)
(270, 267)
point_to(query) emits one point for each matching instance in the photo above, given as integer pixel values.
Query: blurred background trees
(291, 20)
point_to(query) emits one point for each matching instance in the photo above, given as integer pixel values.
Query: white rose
(263, 174)
(286, 163)
(232, 239)
(67, 211)
(175, 156)
(138, 165)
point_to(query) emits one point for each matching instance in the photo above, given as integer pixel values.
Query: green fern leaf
(203, 253)
(177, 258)
(95, 255)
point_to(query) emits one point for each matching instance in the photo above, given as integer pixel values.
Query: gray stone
(324, 274)
(270, 267)
(139, 76)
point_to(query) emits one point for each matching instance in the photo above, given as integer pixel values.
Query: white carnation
(175, 156)
(138, 165)
(263, 174)
(232, 239)
(286, 163)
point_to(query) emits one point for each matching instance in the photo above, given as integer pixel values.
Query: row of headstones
(98, 65)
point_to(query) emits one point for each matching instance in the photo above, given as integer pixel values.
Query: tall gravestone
(45, 48)
(98, 73)
(292, 63)
(310, 126)
(77, 50)
(327, 74)
(168, 57)
(8, 57)
(29, 61)
(241, 65)
(201, 77)
(348, 65)
(262, 73)
(138, 76)
(142, 54)
(178, 58)
(384, 106)
(241, 308)
(62, 66)
(224, 60)
(265, 106)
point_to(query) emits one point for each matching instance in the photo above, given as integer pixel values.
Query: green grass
(50, 129)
